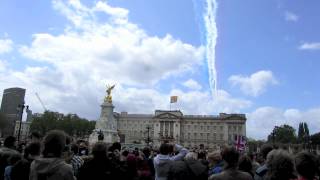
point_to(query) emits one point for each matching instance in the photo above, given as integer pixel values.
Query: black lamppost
(148, 136)
(21, 108)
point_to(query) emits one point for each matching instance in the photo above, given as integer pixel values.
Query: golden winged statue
(108, 98)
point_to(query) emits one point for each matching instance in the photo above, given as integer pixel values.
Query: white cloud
(290, 16)
(3, 65)
(196, 102)
(192, 84)
(5, 45)
(262, 121)
(136, 100)
(255, 84)
(310, 46)
(92, 52)
(86, 98)
(119, 51)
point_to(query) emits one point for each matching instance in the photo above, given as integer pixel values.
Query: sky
(260, 58)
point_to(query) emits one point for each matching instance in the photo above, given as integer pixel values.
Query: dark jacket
(231, 174)
(5, 153)
(21, 170)
(187, 170)
(102, 168)
(50, 169)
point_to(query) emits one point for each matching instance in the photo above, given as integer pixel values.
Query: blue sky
(266, 57)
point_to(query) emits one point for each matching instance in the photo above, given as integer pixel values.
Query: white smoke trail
(211, 41)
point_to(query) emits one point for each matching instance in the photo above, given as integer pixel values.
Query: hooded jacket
(162, 162)
(50, 169)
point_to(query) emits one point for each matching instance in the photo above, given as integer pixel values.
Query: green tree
(306, 129)
(303, 132)
(70, 123)
(253, 144)
(315, 138)
(48, 121)
(283, 134)
(300, 132)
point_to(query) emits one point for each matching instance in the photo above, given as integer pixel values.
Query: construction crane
(45, 109)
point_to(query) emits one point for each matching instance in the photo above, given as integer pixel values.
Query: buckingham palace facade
(187, 130)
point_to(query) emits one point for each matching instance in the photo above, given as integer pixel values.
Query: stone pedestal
(106, 125)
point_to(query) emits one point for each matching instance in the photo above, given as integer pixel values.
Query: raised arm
(182, 153)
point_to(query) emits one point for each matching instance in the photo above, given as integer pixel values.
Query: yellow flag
(173, 99)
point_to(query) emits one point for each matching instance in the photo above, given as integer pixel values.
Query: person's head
(32, 150)
(265, 149)
(125, 153)
(74, 148)
(82, 145)
(306, 165)
(35, 137)
(201, 146)
(252, 156)
(165, 149)
(54, 143)
(10, 142)
(214, 158)
(99, 150)
(83, 149)
(146, 151)
(280, 165)
(202, 155)
(245, 164)
(116, 146)
(68, 139)
(231, 156)
(191, 156)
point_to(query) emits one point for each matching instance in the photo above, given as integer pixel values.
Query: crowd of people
(57, 157)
